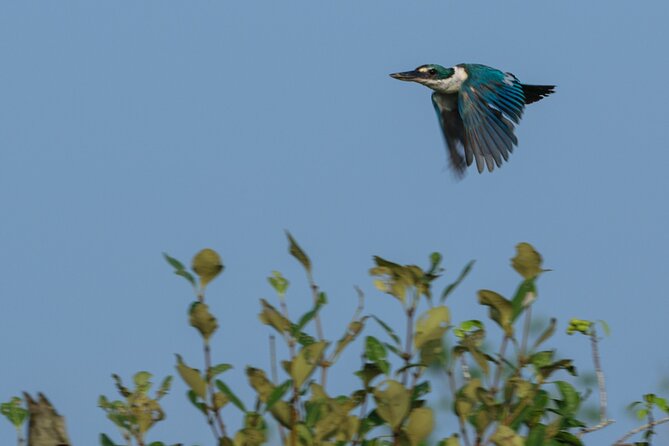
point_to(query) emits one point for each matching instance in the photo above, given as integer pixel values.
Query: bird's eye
(432, 71)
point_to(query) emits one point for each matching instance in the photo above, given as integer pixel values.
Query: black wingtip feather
(533, 93)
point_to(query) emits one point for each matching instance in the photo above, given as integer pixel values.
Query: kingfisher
(477, 107)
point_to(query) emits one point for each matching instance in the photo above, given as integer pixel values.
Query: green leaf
(164, 387)
(420, 390)
(216, 370)
(605, 327)
(521, 297)
(374, 349)
(465, 327)
(368, 372)
(193, 398)
(566, 438)
(571, 400)
(500, 311)
(388, 330)
(298, 253)
(307, 317)
(563, 364)
(536, 436)
(435, 260)
(179, 269)
(278, 393)
(157, 443)
(279, 283)
(14, 411)
(550, 330)
(105, 440)
(192, 378)
(449, 289)
(661, 403)
(230, 394)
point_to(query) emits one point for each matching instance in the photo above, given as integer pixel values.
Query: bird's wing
(446, 106)
(488, 102)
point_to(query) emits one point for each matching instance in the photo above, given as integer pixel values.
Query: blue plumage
(477, 107)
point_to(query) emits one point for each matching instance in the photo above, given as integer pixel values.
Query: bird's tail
(535, 92)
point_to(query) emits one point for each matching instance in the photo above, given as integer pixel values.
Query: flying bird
(477, 107)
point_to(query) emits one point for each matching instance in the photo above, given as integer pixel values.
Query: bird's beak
(407, 76)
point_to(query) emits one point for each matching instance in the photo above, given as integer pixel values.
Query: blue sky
(132, 128)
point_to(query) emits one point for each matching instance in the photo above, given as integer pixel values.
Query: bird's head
(430, 75)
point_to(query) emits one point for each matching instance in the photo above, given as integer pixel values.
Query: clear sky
(129, 128)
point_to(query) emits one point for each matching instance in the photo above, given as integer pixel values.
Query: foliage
(16, 414)
(506, 387)
(514, 394)
(137, 412)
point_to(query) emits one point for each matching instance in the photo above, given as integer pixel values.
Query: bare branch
(604, 420)
(621, 441)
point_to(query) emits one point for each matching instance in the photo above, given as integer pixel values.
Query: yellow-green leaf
(352, 332)
(207, 265)
(419, 425)
(392, 402)
(192, 378)
(505, 436)
(298, 253)
(203, 320)
(271, 316)
(431, 325)
(306, 361)
(220, 400)
(527, 261)
(453, 440)
(501, 310)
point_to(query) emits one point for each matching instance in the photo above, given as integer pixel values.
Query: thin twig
(408, 353)
(275, 377)
(463, 428)
(319, 325)
(498, 372)
(210, 385)
(363, 406)
(634, 431)
(290, 340)
(601, 383)
(465, 368)
(361, 303)
(272, 358)
(526, 331)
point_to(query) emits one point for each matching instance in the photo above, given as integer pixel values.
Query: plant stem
(498, 372)
(210, 385)
(319, 325)
(275, 378)
(408, 353)
(452, 385)
(601, 383)
(526, 332)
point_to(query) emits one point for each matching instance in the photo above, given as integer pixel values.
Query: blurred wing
(488, 102)
(446, 106)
